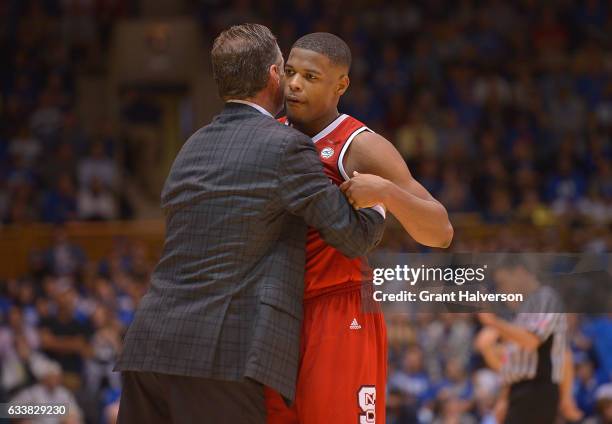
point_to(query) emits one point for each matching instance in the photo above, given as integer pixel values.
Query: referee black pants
(154, 398)
(533, 402)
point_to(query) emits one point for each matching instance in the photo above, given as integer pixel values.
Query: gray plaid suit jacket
(225, 300)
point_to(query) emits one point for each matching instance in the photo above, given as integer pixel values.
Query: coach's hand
(365, 190)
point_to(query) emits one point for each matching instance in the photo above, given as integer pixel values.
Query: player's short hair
(329, 45)
(241, 58)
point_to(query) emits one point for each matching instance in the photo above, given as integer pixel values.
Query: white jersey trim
(328, 129)
(345, 149)
(378, 208)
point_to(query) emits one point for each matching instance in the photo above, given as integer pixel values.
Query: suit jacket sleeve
(306, 191)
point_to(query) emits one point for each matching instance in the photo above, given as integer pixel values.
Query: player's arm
(305, 191)
(391, 183)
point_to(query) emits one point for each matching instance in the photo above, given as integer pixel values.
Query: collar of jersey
(328, 129)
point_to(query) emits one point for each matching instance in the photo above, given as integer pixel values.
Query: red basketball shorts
(343, 365)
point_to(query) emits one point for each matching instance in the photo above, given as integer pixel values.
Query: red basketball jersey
(325, 265)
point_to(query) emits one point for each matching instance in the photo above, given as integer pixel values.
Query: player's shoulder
(290, 134)
(357, 131)
(368, 147)
(350, 119)
(368, 137)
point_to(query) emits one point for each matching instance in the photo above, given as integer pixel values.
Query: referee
(532, 363)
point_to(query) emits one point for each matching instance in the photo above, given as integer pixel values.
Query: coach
(222, 317)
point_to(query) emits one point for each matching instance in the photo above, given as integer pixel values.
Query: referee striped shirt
(542, 315)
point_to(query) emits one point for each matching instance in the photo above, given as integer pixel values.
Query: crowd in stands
(52, 169)
(501, 109)
(63, 321)
(66, 318)
(435, 375)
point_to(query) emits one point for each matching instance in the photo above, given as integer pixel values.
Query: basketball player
(343, 368)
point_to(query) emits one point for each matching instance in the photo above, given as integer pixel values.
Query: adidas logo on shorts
(354, 325)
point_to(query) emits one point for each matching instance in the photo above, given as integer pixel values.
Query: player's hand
(365, 190)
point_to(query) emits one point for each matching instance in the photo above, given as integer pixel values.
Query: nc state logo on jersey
(327, 153)
(366, 397)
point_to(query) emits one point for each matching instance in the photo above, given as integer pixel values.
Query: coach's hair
(241, 58)
(327, 44)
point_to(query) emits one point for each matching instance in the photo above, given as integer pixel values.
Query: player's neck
(314, 127)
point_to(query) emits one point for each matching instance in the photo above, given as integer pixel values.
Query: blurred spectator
(399, 410)
(500, 207)
(62, 161)
(491, 87)
(78, 22)
(65, 339)
(565, 187)
(46, 120)
(50, 391)
(4, 202)
(567, 112)
(443, 339)
(23, 205)
(412, 380)
(26, 147)
(603, 398)
(455, 193)
(18, 346)
(416, 139)
(603, 110)
(360, 102)
(595, 207)
(105, 345)
(391, 74)
(97, 165)
(64, 258)
(73, 135)
(96, 202)
(586, 384)
(487, 385)
(456, 383)
(598, 330)
(532, 210)
(60, 203)
(451, 410)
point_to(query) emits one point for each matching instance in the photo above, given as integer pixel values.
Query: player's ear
(343, 84)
